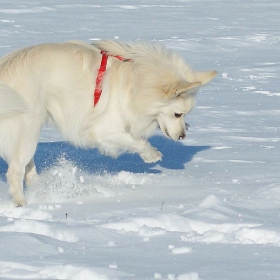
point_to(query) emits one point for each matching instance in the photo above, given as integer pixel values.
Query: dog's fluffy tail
(11, 103)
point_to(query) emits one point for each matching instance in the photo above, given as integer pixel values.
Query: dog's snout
(182, 136)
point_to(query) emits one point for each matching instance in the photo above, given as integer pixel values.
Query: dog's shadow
(175, 156)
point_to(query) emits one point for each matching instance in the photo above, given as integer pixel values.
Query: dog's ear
(205, 77)
(186, 88)
(181, 88)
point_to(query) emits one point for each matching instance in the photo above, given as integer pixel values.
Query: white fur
(57, 81)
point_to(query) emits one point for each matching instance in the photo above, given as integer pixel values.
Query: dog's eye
(178, 115)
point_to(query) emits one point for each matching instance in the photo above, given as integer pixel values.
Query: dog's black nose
(182, 137)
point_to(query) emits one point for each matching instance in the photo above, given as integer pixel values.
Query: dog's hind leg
(30, 173)
(16, 173)
(21, 164)
(15, 179)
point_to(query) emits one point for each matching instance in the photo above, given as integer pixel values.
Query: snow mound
(13, 270)
(34, 227)
(216, 229)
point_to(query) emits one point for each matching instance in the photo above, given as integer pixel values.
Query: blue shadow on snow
(175, 156)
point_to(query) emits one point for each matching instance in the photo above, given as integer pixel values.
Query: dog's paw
(19, 202)
(18, 198)
(150, 156)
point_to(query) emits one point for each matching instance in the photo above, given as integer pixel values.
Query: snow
(210, 209)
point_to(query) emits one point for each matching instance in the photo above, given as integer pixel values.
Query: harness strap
(101, 73)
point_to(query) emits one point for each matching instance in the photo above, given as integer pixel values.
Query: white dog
(140, 86)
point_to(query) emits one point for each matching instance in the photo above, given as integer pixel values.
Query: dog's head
(167, 98)
(179, 101)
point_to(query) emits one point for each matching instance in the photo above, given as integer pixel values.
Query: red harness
(101, 73)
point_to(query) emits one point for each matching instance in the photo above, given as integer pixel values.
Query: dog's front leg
(126, 141)
(150, 154)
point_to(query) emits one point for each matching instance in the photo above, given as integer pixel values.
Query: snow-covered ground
(211, 209)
